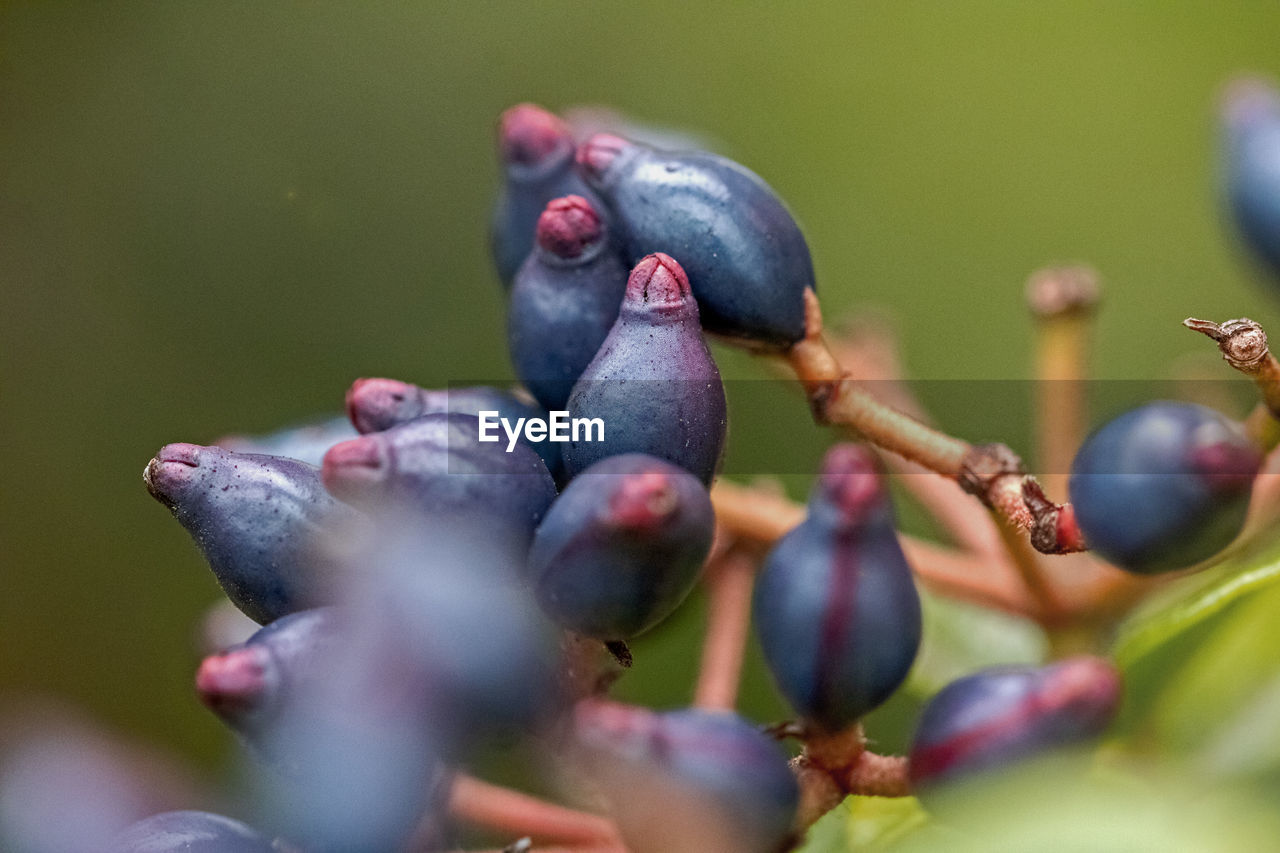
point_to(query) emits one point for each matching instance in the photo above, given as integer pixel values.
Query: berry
(1163, 486)
(252, 517)
(537, 153)
(343, 721)
(564, 301)
(304, 442)
(1002, 715)
(1251, 151)
(375, 405)
(835, 606)
(688, 780)
(653, 382)
(438, 465)
(66, 785)
(622, 547)
(746, 258)
(190, 832)
(248, 685)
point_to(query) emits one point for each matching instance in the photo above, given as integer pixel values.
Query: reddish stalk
(729, 582)
(483, 804)
(993, 473)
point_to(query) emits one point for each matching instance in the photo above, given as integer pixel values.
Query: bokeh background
(215, 216)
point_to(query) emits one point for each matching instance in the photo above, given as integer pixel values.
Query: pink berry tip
(850, 480)
(1089, 685)
(597, 153)
(643, 500)
(350, 465)
(528, 135)
(658, 280)
(568, 226)
(375, 404)
(172, 466)
(233, 681)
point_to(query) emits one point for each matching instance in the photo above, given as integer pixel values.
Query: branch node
(1053, 526)
(983, 465)
(1242, 342)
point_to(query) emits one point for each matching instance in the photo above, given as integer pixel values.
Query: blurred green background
(214, 216)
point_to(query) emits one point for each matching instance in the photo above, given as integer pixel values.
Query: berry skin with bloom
(621, 547)
(835, 607)
(1163, 486)
(251, 516)
(536, 150)
(999, 716)
(746, 258)
(564, 301)
(653, 383)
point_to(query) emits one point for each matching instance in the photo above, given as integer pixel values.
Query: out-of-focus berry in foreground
(1163, 486)
(622, 547)
(836, 608)
(190, 832)
(688, 781)
(747, 260)
(999, 716)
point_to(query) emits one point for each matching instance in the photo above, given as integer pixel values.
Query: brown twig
(833, 766)
(993, 473)
(483, 804)
(1243, 345)
(1063, 301)
(729, 581)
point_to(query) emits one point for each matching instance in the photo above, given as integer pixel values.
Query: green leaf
(1202, 666)
(865, 823)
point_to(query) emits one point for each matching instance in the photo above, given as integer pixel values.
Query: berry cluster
(426, 595)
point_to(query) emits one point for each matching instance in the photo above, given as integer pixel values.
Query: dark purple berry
(999, 716)
(622, 547)
(746, 258)
(1251, 167)
(1163, 486)
(438, 465)
(688, 780)
(653, 384)
(252, 517)
(564, 301)
(379, 404)
(536, 149)
(304, 442)
(190, 832)
(835, 606)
